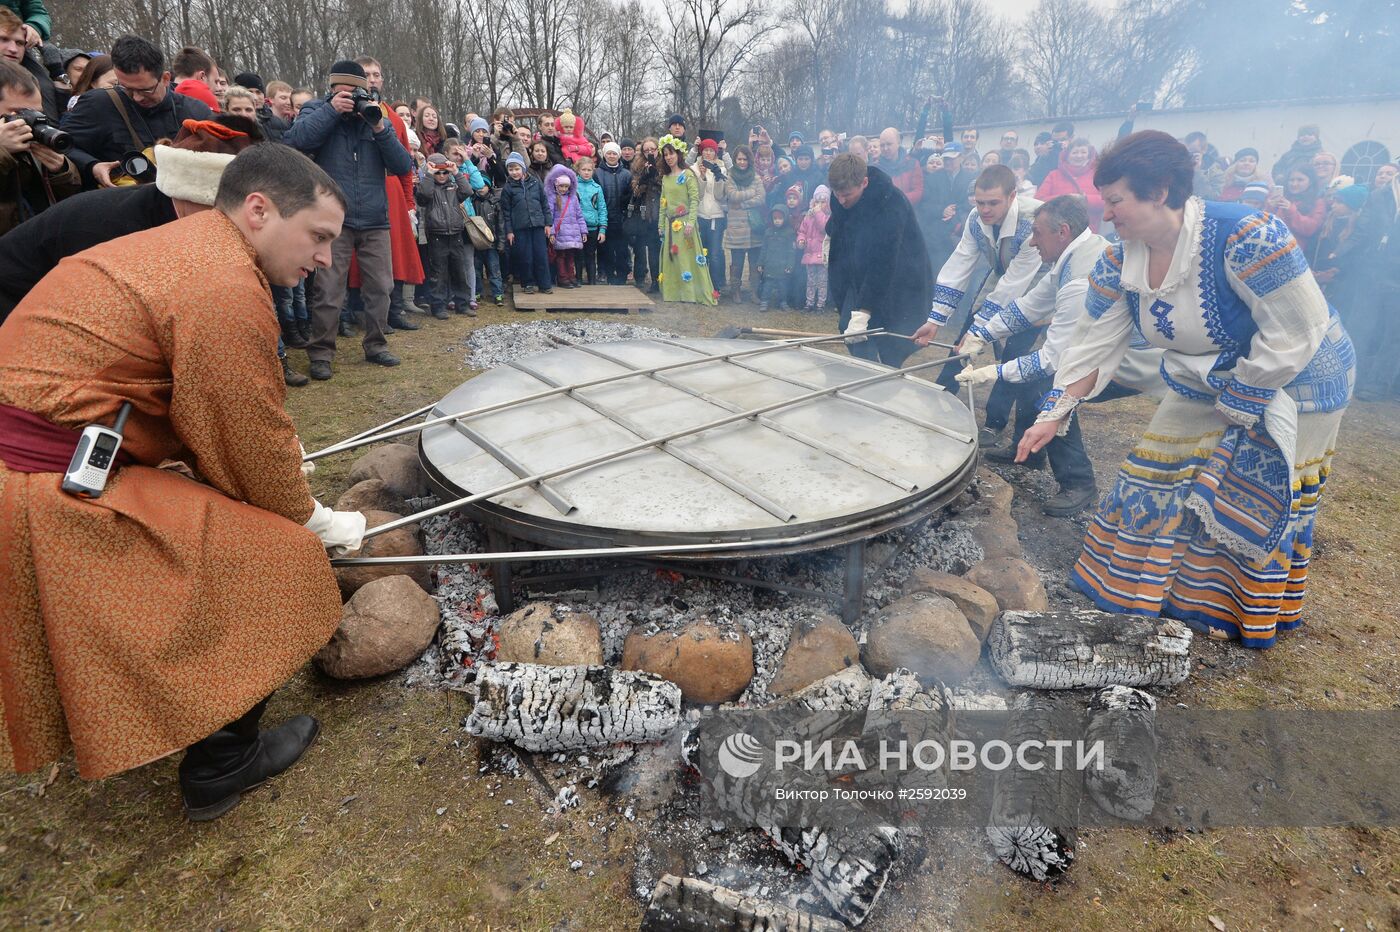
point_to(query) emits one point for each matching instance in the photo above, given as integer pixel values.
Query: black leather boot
(219, 769)
(400, 322)
(290, 335)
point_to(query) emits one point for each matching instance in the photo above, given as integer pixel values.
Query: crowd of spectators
(457, 211)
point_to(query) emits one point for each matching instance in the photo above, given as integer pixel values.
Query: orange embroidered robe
(133, 625)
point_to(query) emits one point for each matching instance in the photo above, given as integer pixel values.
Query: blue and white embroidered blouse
(1238, 316)
(978, 248)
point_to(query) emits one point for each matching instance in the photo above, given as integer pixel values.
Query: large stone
(400, 542)
(394, 464)
(926, 634)
(815, 650)
(709, 665)
(977, 604)
(995, 491)
(996, 534)
(1013, 583)
(371, 495)
(535, 634)
(386, 625)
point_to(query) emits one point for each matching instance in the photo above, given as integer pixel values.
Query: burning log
(1035, 813)
(544, 708)
(1122, 718)
(691, 905)
(1078, 648)
(848, 866)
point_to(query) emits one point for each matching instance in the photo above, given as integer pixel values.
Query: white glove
(340, 531)
(306, 468)
(413, 220)
(979, 376)
(972, 344)
(860, 320)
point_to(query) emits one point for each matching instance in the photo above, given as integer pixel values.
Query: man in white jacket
(1062, 237)
(995, 243)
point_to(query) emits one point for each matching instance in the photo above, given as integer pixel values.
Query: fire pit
(715, 447)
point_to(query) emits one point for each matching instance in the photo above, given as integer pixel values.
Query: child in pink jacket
(568, 230)
(811, 240)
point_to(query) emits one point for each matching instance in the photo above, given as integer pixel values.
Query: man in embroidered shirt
(1063, 238)
(995, 244)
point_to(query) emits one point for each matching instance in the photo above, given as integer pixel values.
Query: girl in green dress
(685, 275)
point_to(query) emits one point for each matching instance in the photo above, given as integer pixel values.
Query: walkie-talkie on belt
(92, 461)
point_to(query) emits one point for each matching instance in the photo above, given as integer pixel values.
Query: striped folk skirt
(1146, 553)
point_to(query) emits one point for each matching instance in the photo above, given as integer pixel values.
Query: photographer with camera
(34, 172)
(113, 128)
(347, 135)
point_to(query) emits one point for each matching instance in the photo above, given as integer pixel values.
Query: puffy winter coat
(594, 201)
(779, 254)
(1066, 179)
(810, 236)
(438, 212)
(523, 205)
(570, 230)
(617, 191)
(354, 155)
(487, 205)
(576, 144)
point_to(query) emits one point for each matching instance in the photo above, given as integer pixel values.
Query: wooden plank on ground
(620, 299)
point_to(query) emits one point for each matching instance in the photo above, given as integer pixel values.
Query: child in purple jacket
(569, 230)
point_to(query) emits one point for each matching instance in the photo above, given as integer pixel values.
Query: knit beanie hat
(437, 158)
(1255, 190)
(822, 193)
(1309, 129)
(477, 124)
(803, 151)
(952, 148)
(795, 189)
(1354, 196)
(611, 148)
(515, 158)
(1247, 151)
(348, 72)
(628, 143)
(675, 118)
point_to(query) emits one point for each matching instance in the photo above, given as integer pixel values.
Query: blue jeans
(291, 302)
(529, 258)
(488, 271)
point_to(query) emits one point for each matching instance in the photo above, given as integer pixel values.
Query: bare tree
(711, 43)
(1060, 55)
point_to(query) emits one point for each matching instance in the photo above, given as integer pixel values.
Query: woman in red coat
(1075, 176)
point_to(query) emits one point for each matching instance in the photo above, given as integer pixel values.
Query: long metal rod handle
(655, 441)
(364, 439)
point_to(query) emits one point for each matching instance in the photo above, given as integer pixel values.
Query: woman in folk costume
(1211, 517)
(684, 273)
(160, 615)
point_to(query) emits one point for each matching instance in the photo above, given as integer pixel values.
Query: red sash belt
(29, 443)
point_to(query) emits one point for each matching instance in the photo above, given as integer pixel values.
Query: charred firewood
(1035, 812)
(692, 905)
(1123, 718)
(849, 866)
(545, 708)
(1078, 648)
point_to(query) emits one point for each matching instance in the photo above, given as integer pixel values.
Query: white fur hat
(186, 175)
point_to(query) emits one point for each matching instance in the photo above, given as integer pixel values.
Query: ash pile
(597, 688)
(502, 344)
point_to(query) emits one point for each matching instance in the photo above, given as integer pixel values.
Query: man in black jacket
(879, 270)
(101, 136)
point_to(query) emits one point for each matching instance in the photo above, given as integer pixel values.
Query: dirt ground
(390, 822)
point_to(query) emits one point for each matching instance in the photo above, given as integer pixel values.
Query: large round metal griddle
(813, 475)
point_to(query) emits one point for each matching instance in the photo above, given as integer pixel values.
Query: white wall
(1270, 129)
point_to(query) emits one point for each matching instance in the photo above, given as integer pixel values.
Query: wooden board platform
(618, 299)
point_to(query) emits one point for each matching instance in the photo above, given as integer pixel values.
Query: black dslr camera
(366, 105)
(45, 133)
